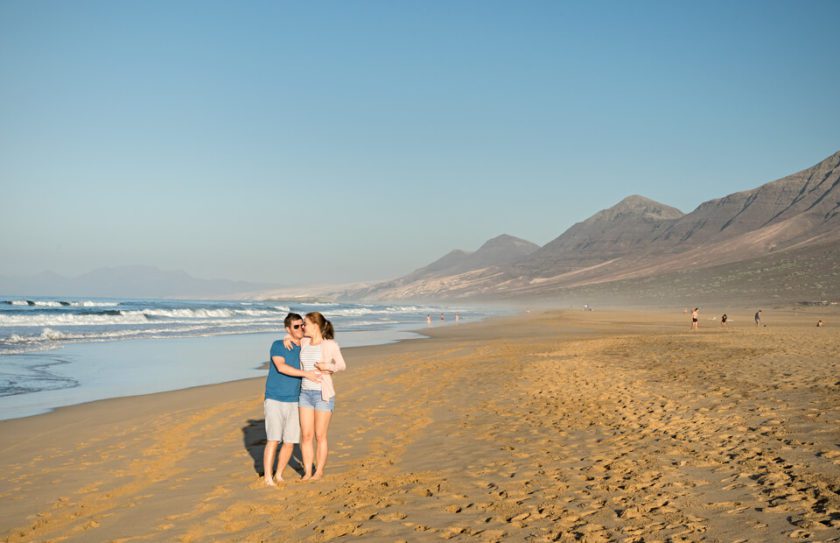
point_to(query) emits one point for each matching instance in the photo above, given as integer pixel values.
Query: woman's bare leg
(322, 424)
(307, 433)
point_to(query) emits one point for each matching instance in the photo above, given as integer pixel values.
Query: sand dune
(544, 427)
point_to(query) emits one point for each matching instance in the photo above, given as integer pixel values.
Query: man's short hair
(290, 318)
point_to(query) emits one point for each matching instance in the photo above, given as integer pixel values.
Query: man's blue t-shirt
(278, 386)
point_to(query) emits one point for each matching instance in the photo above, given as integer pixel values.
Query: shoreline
(562, 425)
(134, 351)
(260, 366)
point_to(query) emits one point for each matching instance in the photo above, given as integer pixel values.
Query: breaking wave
(41, 323)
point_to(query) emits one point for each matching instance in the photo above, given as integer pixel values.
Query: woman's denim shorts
(311, 399)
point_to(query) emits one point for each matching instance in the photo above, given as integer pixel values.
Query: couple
(299, 394)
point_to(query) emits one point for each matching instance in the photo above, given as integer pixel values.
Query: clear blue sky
(340, 141)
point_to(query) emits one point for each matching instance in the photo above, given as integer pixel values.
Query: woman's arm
(334, 361)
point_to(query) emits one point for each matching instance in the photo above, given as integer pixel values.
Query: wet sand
(560, 426)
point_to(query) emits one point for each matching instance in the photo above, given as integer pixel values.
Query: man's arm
(280, 363)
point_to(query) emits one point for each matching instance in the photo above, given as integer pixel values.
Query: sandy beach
(555, 426)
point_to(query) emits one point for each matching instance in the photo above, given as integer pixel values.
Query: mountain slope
(806, 274)
(807, 202)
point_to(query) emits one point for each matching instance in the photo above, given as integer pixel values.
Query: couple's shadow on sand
(254, 438)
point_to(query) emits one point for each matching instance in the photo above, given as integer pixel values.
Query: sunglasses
(296, 326)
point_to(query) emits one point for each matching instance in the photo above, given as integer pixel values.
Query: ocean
(58, 351)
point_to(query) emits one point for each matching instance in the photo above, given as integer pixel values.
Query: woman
(319, 352)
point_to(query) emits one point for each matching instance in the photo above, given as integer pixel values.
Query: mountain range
(779, 241)
(638, 239)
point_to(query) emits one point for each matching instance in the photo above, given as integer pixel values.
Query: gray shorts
(282, 422)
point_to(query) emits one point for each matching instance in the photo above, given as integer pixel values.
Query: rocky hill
(625, 229)
(496, 253)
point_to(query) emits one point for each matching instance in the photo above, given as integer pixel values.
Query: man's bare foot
(318, 475)
(306, 477)
(279, 479)
(269, 482)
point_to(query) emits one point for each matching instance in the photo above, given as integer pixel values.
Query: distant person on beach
(319, 352)
(695, 318)
(442, 317)
(723, 319)
(282, 390)
(429, 320)
(758, 318)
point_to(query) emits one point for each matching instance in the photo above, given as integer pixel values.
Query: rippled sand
(564, 426)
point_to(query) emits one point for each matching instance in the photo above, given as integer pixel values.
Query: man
(282, 390)
(758, 318)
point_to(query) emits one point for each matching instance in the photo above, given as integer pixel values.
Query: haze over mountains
(639, 238)
(126, 282)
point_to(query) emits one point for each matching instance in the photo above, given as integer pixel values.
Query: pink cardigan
(330, 356)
